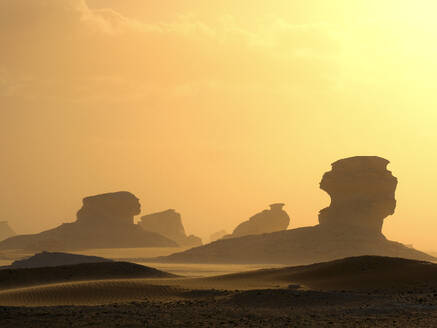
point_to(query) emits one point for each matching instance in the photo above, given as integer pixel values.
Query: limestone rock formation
(112, 209)
(274, 219)
(5, 230)
(169, 224)
(362, 194)
(104, 221)
(217, 235)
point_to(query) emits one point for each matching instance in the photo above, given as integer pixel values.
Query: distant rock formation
(217, 235)
(169, 224)
(362, 195)
(112, 209)
(47, 259)
(275, 219)
(5, 230)
(104, 221)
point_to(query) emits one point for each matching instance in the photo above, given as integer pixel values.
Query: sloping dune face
(88, 293)
(47, 259)
(18, 278)
(356, 273)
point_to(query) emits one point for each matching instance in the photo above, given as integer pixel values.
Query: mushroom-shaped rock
(274, 219)
(169, 224)
(362, 193)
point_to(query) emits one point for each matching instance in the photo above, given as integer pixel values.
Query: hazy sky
(216, 109)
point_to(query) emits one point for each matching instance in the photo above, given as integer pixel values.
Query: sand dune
(48, 259)
(109, 303)
(17, 278)
(88, 293)
(355, 273)
(352, 274)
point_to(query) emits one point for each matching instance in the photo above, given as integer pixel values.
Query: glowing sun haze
(216, 109)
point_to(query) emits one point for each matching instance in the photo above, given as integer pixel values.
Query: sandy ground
(255, 308)
(357, 292)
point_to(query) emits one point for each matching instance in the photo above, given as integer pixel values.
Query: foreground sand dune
(352, 274)
(88, 293)
(355, 273)
(362, 292)
(16, 278)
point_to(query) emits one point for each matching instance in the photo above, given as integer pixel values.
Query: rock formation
(5, 230)
(362, 195)
(169, 224)
(104, 221)
(274, 219)
(217, 235)
(112, 209)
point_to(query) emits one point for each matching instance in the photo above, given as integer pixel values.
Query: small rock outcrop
(267, 221)
(104, 221)
(217, 235)
(5, 230)
(362, 193)
(169, 224)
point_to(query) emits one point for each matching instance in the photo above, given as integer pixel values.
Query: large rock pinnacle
(362, 193)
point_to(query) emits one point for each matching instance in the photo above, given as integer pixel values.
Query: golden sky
(216, 109)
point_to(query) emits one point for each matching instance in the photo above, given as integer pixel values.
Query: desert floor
(254, 308)
(217, 296)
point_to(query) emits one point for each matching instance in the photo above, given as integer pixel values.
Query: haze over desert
(224, 163)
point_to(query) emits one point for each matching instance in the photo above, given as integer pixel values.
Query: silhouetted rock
(104, 221)
(218, 235)
(362, 194)
(169, 224)
(114, 209)
(47, 259)
(5, 230)
(275, 219)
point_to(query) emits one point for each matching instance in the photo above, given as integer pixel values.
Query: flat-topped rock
(169, 224)
(118, 208)
(104, 221)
